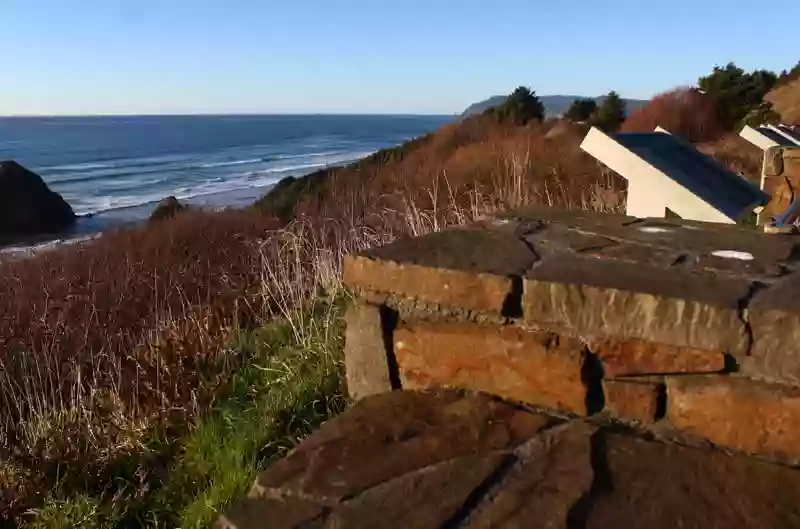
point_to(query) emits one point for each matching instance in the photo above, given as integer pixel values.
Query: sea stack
(29, 207)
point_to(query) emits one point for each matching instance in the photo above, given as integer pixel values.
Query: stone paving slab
(449, 459)
(393, 434)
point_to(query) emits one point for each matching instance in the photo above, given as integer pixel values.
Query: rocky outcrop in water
(29, 207)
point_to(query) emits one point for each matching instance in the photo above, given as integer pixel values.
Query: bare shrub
(684, 111)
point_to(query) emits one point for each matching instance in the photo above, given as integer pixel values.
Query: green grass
(81, 512)
(283, 386)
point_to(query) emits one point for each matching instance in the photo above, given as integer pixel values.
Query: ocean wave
(78, 167)
(231, 163)
(290, 168)
(121, 193)
(306, 155)
(108, 166)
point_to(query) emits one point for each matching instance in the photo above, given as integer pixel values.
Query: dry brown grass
(685, 112)
(480, 158)
(785, 100)
(738, 155)
(103, 340)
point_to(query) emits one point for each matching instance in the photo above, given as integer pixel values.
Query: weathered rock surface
(586, 296)
(445, 459)
(633, 400)
(29, 206)
(774, 316)
(536, 368)
(453, 481)
(368, 371)
(743, 415)
(781, 176)
(393, 434)
(640, 483)
(469, 269)
(550, 474)
(638, 357)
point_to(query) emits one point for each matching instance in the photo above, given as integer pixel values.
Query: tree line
(734, 97)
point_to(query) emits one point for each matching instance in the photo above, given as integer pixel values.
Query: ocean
(117, 168)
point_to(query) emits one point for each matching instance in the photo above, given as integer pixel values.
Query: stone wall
(667, 326)
(780, 179)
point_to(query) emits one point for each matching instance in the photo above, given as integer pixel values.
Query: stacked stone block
(661, 324)
(780, 179)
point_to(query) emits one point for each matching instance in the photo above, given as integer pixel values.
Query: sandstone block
(774, 316)
(632, 400)
(466, 290)
(535, 368)
(773, 161)
(638, 357)
(781, 179)
(366, 360)
(466, 268)
(737, 413)
(589, 297)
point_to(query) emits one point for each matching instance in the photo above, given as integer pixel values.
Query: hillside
(786, 101)
(554, 105)
(477, 163)
(482, 106)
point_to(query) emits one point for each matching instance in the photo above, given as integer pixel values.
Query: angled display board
(665, 172)
(768, 136)
(792, 133)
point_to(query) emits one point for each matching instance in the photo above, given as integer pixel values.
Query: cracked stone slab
(423, 499)
(490, 466)
(663, 486)
(703, 238)
(496, 252)
(552, 472)
(389, 435)
(700, 244)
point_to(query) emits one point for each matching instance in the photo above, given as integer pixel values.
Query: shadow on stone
(661, 402)
(479, 494)
(578, 515)
(512, 306)
(389, 319)
(592, 378)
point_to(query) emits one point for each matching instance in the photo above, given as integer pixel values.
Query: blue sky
(369, 56)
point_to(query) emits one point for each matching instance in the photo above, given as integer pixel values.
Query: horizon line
(220, 114)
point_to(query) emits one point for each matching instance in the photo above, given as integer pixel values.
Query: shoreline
(91, 226)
